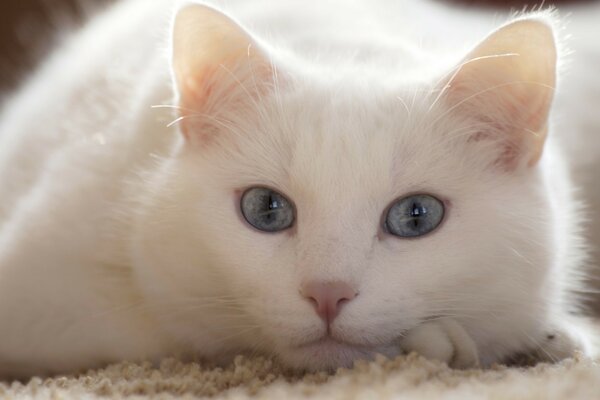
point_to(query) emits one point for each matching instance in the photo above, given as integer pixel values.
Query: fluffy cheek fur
(220, 286)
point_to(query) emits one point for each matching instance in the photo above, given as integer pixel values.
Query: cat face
(341, 152)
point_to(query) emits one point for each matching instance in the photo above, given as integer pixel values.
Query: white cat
(344, 181)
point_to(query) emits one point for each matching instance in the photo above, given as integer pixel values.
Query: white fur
(121, 240)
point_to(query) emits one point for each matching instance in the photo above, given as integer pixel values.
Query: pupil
(273, 203)
(418, 210)
(269, 217)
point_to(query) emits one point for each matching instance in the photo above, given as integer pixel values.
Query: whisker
(458, 68)
(174, 107)
(483, 91)
(408, 111)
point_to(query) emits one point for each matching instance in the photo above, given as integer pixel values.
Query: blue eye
(414, 216)
(267, 210)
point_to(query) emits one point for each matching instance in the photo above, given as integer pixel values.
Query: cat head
(318, 215)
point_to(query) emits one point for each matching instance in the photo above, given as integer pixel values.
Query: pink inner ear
(508, 154)
(199, 89)
(514, 112)
(507, 83)
(235, 85)
(218, 69)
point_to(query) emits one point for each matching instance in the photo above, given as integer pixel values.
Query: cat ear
(507, 83)
(216, 64)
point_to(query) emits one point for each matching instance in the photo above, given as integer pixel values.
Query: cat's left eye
(267, 210)
(414, 216)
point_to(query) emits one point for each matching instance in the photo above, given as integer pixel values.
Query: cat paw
(567, 340)
(443, 340)
(558, 345)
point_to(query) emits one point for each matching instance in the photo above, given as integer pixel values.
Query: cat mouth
(330, 341)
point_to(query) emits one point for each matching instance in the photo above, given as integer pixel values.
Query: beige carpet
(408, 377)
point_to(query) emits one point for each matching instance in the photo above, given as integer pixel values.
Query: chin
(329, 355)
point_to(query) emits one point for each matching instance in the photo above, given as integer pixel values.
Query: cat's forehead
(352, 140)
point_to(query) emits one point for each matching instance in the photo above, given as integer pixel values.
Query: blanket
(406, 377)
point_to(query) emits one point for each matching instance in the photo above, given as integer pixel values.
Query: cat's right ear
(507, 84)
(216, 64)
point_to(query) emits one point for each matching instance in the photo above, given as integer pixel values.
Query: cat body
(121, 235)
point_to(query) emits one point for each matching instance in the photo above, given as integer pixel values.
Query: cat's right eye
(414, 216)
(267, 210)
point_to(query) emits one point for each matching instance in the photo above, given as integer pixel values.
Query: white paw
(575, 335)
(443, 340)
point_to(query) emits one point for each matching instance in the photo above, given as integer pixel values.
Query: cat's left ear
(217, 66)
(507, 84)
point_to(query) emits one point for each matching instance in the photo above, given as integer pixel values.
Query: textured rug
(409, 377)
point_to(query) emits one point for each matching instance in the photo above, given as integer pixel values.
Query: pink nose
(328, 297)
